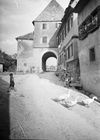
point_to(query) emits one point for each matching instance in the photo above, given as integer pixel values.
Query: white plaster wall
(39, 33)
(90, 71)
(40, 48)
(38, 54)
(24, 55)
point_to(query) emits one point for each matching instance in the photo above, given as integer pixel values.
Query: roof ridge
(53, 11)
(28, 36)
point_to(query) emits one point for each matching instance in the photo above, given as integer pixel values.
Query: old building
(68, 43)
(1, 64)
(46, 25)
(25, 52)
(44, 44)
(89, 43)
(1, 61)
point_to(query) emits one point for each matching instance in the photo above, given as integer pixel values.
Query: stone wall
(74, 69)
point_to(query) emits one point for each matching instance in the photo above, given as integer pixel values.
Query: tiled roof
(53, 12)
(28, 36)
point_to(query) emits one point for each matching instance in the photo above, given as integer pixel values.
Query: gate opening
(45, 58)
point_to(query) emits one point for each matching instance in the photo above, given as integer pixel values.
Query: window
(57, 25)
(44, 39)
(68, 52)
(65, 54)
(60, 59)
(92, 54)
(65, 30)
(68, 25)
(62, 34)
(71, 20)
(44, 26)
(71, 50)
(25, 64)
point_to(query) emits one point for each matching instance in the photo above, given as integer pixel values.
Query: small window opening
(92, 54)
(44, 26)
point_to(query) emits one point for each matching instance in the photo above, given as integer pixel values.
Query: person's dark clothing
(12, 81)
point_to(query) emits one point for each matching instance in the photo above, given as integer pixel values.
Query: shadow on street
(4, 110)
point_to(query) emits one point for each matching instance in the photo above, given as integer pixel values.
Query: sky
(51, 61)
(16, 18)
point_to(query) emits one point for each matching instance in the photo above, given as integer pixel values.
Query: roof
(53, 41)
(67, 13)
(53, 12)
(78, 5)
(28, 36)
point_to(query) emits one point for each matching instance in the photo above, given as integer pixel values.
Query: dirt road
(34, 115)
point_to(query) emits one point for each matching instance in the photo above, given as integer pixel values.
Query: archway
(45, 57)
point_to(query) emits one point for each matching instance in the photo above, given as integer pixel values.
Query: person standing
(12, 83)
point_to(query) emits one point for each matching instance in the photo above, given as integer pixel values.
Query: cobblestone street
(34, 115)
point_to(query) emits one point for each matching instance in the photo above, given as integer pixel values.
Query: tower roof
(52, 12)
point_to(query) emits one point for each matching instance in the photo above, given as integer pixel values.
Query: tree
(8, 61)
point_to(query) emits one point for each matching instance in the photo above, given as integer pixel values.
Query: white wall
(90, 71)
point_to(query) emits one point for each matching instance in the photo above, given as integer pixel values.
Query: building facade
(25, 52)
(44, 44)
(68, 44)
(89, 43)
(46, 25)
(1, 62)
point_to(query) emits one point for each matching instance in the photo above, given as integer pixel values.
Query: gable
(53, 12)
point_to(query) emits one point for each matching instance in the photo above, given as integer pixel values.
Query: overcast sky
(16, 18)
